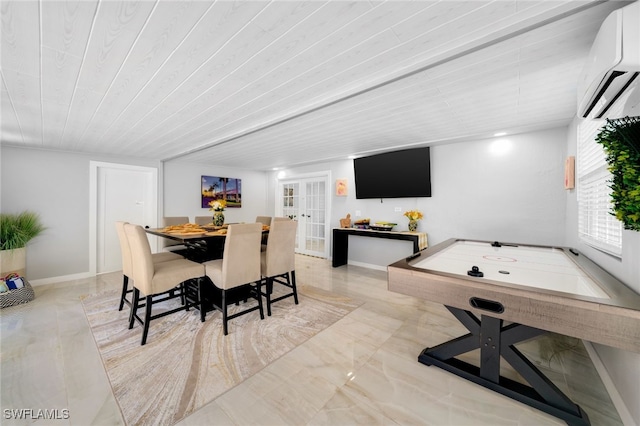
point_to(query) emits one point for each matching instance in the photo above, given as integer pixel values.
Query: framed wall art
(569, 172)
(215, 188)
(341, 188)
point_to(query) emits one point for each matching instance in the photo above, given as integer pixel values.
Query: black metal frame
(189, 295)
(340, 253)
(220, 299)
(203, 250)
(289, 281)
(496, 342)
(125, 290)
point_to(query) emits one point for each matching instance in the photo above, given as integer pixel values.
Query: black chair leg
(224, 313)
(203, 314)
(293, 286)
(135, 298)
(259, 297)
(125, 285)
(147, 320)
(183, 294)
(267, 293)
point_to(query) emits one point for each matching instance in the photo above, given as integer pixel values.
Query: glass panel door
(290, 203)
(305, 200)
(314, 217)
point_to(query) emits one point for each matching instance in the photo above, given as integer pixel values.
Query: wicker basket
(17, 296)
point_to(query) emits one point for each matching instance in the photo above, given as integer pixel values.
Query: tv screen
(397, 174)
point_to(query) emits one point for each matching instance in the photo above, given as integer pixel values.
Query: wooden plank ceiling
(259, 84)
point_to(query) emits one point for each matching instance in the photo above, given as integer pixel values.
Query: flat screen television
(397, 174)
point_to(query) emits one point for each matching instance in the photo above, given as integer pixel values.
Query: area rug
(186, 363)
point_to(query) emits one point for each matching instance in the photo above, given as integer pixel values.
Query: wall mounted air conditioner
(612, 73)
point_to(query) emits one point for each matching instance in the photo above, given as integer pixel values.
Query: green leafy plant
(621, 142)
(16, 230)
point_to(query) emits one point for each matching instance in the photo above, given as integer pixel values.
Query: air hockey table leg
(496, 342)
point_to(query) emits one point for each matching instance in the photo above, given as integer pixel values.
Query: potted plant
(621, 142)
(16, 230)
(414, 216)
(218, 207)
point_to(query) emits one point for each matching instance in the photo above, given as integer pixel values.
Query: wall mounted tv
(396, 174)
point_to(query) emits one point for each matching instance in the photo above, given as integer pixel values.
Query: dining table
(201, 247)
(198, 246)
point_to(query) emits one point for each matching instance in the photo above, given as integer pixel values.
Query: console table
(341, 241)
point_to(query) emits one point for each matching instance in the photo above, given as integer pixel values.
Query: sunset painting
(221, 188)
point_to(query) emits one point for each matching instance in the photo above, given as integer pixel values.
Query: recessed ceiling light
(500, 147)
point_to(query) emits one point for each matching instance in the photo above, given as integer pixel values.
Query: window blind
(597, 227)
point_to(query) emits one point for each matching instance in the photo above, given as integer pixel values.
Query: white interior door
(306, 200)
(123, 193)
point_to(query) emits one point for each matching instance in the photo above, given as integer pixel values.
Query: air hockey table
(506, 293)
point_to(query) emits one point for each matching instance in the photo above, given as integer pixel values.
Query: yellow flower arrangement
(217, 205)
(414, 214)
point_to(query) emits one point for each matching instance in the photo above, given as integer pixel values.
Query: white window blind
(596, 225)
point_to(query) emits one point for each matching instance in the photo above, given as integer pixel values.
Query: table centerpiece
(414, 216)
(217, 207)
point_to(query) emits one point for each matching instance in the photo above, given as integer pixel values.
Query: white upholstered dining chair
(265, 220)
(160, 279)
(237, 275)
(127, 265)
(171, 245)
(277, 262)
(203, 220)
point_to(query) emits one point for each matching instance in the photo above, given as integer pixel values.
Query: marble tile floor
(361, 370)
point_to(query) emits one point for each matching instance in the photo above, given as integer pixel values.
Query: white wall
(54, 184)
(182, 183)
(478, 192)
(518, 196)
(623, 367)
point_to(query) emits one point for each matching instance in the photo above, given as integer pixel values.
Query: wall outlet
(397, 209)
(358, 213)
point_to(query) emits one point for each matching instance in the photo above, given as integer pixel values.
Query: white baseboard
(617, 400)
(54, 280)
(368, 265)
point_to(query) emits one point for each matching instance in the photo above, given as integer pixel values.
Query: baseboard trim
(62, 278)
(368, 265)
(618, 402)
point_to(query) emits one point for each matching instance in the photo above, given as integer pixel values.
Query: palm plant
(16, 230)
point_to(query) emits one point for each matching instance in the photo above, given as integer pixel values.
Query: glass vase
(218, 219)
(413, 225)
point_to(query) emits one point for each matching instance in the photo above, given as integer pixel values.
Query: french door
(306, 200)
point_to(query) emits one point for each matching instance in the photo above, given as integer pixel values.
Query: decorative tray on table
(214, 228)
(187, 233)
(218, 232)
(184, 230)
(382, 226)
